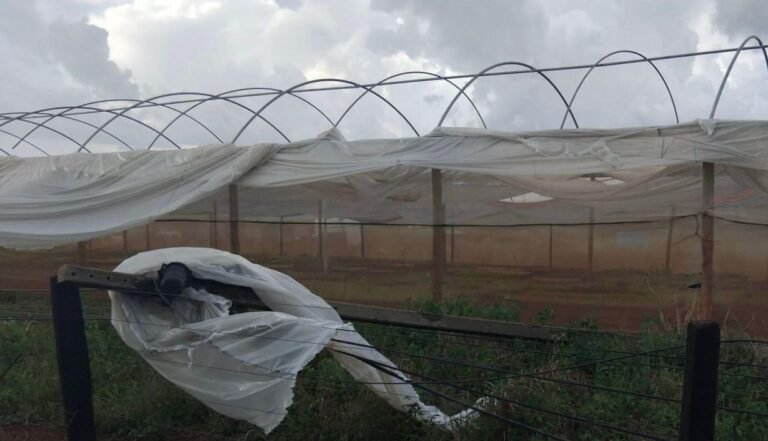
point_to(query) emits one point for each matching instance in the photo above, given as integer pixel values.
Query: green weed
(134, 402)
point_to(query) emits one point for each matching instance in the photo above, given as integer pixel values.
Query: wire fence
(538, 390)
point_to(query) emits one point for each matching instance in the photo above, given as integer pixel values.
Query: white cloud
(149, 47)
(50, 61)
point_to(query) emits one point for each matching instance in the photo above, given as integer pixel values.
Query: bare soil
(621, 300)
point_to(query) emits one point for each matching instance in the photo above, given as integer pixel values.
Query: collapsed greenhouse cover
(489, 178)
(568, 177)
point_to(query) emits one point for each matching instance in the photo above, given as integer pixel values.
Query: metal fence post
(73, 361)
(702, 347)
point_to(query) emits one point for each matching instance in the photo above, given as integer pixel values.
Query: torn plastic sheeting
(50, 201)
(245, 365)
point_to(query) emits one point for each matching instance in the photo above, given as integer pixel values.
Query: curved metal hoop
(321, 80)
(71, 118)
(86, 106)
(43, 118)
(64, 135)
(231, 99)
(136, 104)
(20, 138)
(34, 146)
(412, 72)
(153, 99)
(730, 67)
(508, 63)
(584, 78)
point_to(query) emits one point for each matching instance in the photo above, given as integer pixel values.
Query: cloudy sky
(68, 52)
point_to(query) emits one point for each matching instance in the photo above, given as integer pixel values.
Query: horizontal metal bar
(100, 279)
(145, 285)
(464, 325)
(427, 79)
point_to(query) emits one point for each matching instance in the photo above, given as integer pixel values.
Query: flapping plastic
(489, 178)
(64, 199)
(245, 365)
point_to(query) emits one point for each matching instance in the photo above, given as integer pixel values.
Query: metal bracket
(94, 278)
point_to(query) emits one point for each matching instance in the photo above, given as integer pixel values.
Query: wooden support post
(438, 236)
(699, 404)
(550, 245)
(321, 235)
(214, 226)
(362, 241)
(591, 249)
(125, 240)
(670, 229)
(234, 220)
(707, 241)
(211, 231)
(72, 357)
(453, 243)
(81, 252)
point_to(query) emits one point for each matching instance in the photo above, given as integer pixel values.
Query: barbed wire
(453, 384)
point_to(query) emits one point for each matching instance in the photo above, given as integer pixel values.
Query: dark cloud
(82, 51)
(54, 63)
(465, 38)
(458, 31)
(129, 47)
(741, 18)
(289, 4)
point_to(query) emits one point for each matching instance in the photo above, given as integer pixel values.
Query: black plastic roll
(174, 277)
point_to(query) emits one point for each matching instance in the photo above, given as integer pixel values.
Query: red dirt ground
(620, 301)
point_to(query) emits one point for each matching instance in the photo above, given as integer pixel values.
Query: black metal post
(697, 418)
(72, 357)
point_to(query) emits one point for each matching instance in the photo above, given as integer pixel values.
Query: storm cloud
(68, 52)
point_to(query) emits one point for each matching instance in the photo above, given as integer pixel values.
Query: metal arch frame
(584, 78)
(508, 63)
(299, 89)
(20, 118)
(35, 146)
(87, 106)
(730, 67)
(153, 99)
(71, 118)
(516, 72)
(222, 96)
(121, 113)
(412, 72)
(19, 137)
(4, 116)
(321, 80)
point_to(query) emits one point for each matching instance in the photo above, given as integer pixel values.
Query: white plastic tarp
(245, 365)
(49, 201)
(64, 199)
